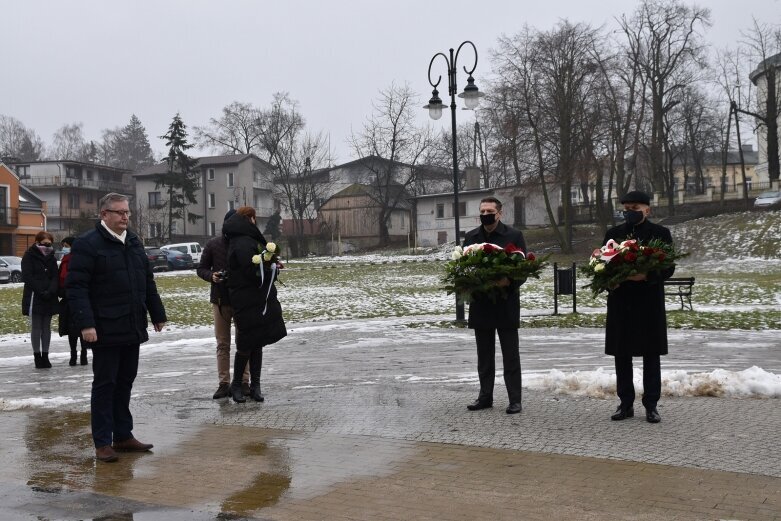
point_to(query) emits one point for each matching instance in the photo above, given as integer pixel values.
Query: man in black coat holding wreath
(501, 316)
(636, 317)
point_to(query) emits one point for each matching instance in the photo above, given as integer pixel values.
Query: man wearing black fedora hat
(636, 317)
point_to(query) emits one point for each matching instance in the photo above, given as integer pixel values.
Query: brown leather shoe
(131, 445)
(106, 453)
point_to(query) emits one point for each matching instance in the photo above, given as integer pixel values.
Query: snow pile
(35, 403)
(753, 382)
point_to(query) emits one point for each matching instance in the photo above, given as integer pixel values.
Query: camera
(222, 274)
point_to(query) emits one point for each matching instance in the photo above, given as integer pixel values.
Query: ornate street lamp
(471, 97)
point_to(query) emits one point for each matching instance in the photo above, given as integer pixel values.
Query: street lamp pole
(471, 96)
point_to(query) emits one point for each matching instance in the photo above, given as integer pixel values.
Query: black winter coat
(504, 313)
(110, 286)
(40, 277)
(214, 258)
(249, 297)
(636, 317)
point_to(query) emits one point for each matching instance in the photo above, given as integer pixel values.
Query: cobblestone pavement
(367, 420)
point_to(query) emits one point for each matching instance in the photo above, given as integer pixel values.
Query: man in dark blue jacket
(501, 316)
(110, 289)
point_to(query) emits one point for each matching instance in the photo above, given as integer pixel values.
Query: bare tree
(301, 181)
(237, 131)
(68, 143)
(665, 37)
(763, 44)
(17, 141)
(391, 148)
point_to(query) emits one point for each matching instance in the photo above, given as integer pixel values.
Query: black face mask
(633, 217)
(488, 219)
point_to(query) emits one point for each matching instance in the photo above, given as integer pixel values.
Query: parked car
(158, 258)
(768, 200)
(14, 265)
(5, 276)
(177, 260)
(192, 248)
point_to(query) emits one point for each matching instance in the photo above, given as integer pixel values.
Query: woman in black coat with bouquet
(39, 300)
(257, 312)
(636, 323)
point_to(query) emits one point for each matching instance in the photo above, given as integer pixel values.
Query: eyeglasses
(121, 213)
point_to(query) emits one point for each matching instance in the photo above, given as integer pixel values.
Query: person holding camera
(213, 269)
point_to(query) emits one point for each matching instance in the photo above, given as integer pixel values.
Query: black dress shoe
(236, 394)
(513, 408)
(623, 414)
(479, 404)
(652, 416)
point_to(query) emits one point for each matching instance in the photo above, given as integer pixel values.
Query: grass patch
(748, 301)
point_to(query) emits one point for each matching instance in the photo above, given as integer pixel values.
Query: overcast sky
(98, 62)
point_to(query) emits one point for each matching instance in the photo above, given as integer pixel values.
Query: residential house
(523, 206)
(225, 182)
(72, 190)
(713, 178)
(352, 216)
(22, 214)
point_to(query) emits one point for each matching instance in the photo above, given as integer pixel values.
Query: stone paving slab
(232, 472)
(367, 420)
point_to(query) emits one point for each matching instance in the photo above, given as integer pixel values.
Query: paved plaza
(366, 419)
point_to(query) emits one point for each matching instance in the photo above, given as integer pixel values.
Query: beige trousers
(222, 332)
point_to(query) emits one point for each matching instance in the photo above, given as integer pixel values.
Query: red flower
(512, 248)
(531, 257)
(489, 248)
(630, 257)
(660, 256)
(648, 251)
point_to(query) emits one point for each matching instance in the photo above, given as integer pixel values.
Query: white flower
(256, 259)
(267, 255)
(599, 267)
(270, 246)
(457, 253)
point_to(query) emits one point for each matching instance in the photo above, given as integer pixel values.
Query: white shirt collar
(121, 237)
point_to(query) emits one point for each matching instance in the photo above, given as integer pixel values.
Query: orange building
(22, 214)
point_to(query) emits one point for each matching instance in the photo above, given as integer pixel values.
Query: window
(70, 172)
(231, 205)
(440, 212)
(23, 171)
(155, 201)
(256, 176)
(210, 174)
(155, 229)
(212, 228)
(73, 200)
(89, 198)
(212, 200)
(230, 179)
(89, 175)
(461, 209)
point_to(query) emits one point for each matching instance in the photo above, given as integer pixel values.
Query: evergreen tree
(130, 146)
(181, 180)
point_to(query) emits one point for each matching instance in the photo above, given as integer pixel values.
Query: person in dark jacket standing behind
(253, 295)
(39, 299)
(64, 319)
(636, 318)
(110, 288)
(503, 316)
(213, 269)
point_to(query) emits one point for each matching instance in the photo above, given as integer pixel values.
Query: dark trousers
(114, 369)
(486, 364)
(652, 381)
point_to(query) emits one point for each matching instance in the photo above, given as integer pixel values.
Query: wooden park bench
(680, 287)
